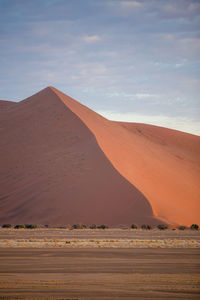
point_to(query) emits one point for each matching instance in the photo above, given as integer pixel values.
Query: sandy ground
(99, 273)
(112, 233)
(148, 269)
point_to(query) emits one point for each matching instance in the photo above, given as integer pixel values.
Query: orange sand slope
(63, 163)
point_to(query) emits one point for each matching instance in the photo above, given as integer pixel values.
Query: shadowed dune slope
(6, 104)
(52, 170)
(163, 164)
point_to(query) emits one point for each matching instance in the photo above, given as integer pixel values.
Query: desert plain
(54, 263)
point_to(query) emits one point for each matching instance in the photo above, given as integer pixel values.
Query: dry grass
(109, 238)
(103, 243)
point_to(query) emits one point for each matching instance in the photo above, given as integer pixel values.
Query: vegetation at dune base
(78, 226)
(103, 226)
(19, 226)
(194, 227)
(6, 226)
(30, 226)
(134, 226)
(182, 227)
(93, 226)
(147, 227)
(162, 226)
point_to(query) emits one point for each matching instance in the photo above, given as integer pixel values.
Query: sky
(134, 61)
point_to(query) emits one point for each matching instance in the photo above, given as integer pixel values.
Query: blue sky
(129, 60)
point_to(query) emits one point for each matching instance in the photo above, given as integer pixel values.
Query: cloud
(194, 7)
(91, 38)
(179, 9)
(133, 96)
(131, 4)
(124, 8)
(145, 96)
(178, 123)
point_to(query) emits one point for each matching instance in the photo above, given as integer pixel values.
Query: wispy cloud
(177, 9)
(146, 96)
(133, 96)
(91, 38)
(131, 4)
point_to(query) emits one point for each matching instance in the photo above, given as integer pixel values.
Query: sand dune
(62, 163)
(6, 104)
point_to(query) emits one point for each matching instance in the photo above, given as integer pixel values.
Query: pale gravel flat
(99, 243)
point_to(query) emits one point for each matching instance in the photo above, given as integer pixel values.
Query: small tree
(182, 227)
(162, 226)
(134, 226)
(83, 226)
(30, 226)
(19, 226)
(103, 226)
(147, 227)
(78, 226)
(6, 226)
(93, 226)
(194, 227)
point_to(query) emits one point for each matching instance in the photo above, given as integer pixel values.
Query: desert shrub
(83, 226)
(6, 226)
(30, 226)
(93, 226)
(78, 226)
(19, 226)
(103, 226)
(134, 226)
(182, 227)
(75, 226)
(194, 227)
(162, 226)
(144, 226)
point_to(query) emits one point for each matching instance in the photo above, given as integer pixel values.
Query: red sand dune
(61, 163)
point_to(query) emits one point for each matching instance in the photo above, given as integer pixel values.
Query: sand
(61, 163)
(99, 274)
